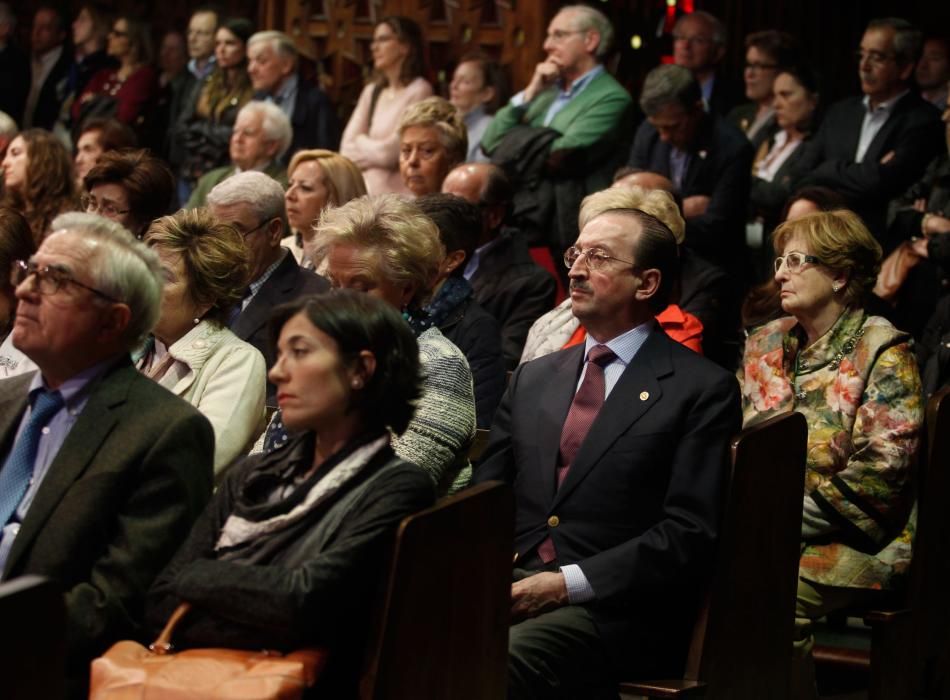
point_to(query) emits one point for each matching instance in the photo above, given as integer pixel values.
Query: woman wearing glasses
(192, 353)
(132, 188)
(854, 378)
(371, 137)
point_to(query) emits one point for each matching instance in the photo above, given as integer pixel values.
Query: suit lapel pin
(644, 395)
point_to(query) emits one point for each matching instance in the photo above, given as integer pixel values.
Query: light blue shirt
(563, 96)
(286, 96)
(625, 347)
(874, 120)
(476, 123)
(52, 438)
(202, 73)
(472, 266)
(679, 164)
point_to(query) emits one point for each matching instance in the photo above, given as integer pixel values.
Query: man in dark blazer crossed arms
(102, 471)
(618, 463)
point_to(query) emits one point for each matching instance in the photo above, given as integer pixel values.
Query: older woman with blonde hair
(384, 246)
(316, 179)
(854, 378)
(433, 139)
(192, 353)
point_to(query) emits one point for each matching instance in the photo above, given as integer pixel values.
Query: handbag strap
(163, 644)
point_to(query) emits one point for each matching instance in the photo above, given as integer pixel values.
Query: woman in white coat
(192, 353)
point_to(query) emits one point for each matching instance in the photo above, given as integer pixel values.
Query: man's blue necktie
(18, 469)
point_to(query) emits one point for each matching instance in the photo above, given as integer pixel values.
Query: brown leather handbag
(129, 671)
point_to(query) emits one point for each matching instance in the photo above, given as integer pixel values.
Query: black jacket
(314, 122)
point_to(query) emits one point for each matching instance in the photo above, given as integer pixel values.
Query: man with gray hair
(102, 471)
(272, 60)
(870, 149)
(254, 204)
(699, 44)
(571, 94)
(708, 160)
(260, 138)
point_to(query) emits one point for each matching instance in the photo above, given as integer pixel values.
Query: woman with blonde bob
(854, 378)
(384, 246)
(432, 140)
(192, 353)
(316, 179)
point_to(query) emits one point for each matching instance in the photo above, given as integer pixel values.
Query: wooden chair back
(740, 647)
(33, 651)
(443, 624)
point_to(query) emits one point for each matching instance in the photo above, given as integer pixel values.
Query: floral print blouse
(859, 389)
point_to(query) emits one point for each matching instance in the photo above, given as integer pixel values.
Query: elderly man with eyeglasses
(254, 204)
(615, 449)
(580, 122)
(102, 471)
(870, 149)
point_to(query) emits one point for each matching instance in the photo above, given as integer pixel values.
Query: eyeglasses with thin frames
(559, 35)
(794, 261)
(256, 228)
(104, 207)
(48, 279)
(596, 258)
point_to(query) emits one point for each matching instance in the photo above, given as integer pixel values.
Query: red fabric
(542, 256)
(680, 325)
(133, 97)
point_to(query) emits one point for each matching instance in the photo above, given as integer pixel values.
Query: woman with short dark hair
(133, 188)
(293, 548)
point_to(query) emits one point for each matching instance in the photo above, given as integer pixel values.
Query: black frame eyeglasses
(91, 205)
(48, 279)
(794, 261)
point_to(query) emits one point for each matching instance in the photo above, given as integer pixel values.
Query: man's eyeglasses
(876, 57)
(256, 228)
(559, 35)
(48, 279)
(794, 261)
(596, 257)
(104, 207)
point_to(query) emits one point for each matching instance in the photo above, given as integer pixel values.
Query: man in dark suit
(50, 66)
(507, 282)
(699, 45)
(254, 204)
(708, 160)
(871, 149)
(102, 471)
(272, 65)
(618, 467)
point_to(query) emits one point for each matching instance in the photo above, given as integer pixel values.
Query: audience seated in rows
(507, 282)
(477, 90)
(453, 308)
(559, 150)
(384, 246)
(316, 179)
(272, 66)
(105, 471)
(253, 203)
(293, 548)
(617, 486)
(432, 141)
(191, 352)
(854, 377)
(130, 187)
(371, 137)
(261, 136)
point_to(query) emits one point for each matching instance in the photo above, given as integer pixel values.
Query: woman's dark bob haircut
(357, 321)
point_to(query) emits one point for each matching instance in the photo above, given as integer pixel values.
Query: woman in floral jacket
(854, 378)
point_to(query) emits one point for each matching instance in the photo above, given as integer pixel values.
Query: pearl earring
(835, 287)
(356, 384)
(196, 321)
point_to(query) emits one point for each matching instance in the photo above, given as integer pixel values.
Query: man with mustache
(872, 149)
(615, 449)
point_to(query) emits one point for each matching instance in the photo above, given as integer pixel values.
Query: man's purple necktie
(584, 409)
